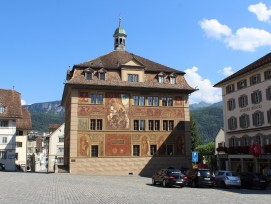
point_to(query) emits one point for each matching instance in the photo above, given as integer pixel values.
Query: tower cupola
(119, 38)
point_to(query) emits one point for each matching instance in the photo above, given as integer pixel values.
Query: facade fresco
(84, 146)
(179, 101)
(158, 112)
(117, 145)
(117, 111)
(83, 97)
(84, 110)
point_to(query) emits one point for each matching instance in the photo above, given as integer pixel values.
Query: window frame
(136, 150)
(153, 149)
(133, 77)
(94, 150)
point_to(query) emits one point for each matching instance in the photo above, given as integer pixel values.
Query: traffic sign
(195, 157)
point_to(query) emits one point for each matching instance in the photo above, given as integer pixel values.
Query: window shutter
(262, 117)
(254, 119)
(253, 98)
(260, 96)
(258, 78)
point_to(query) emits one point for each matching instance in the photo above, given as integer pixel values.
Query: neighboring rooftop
(10, 101)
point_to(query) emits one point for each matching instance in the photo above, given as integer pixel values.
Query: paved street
(36, 188)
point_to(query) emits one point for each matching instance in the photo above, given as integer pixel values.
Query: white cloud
(261, 11)
(246, 39)
(206, 92)
(227, 71)
(214, 29)
(23, 102)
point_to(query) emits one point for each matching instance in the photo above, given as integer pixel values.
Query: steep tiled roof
(24, 123)
(11, 100)
(253, 66)
(114, 59)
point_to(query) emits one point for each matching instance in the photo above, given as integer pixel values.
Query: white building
(10, 111)
(247, 117)
(23, 126)
(56, 147)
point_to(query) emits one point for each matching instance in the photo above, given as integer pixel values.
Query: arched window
(120, 40)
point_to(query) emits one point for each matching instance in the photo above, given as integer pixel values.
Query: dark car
(200, 177)
(169, 177)
(2, 167)
(254, 180)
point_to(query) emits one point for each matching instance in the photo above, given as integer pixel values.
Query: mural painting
(83, 97)
(158, 112)
(179, 101)
(83, 146)
(161, 146)
(144, 146)
(82, 123)
(179, 144)
(117, 106)
(117, 145)
(90, 110)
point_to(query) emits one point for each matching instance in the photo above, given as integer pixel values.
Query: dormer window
(172, 78)
(267, 74)
(88, 73)
(2, 108)
(133, 77)
(161, 77)
(101, 74)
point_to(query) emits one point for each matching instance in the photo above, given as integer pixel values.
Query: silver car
(227, 178)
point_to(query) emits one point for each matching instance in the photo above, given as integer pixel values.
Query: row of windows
(138, 100)
(3, 123)
(256, 97)
(131, 77)
(244, 120)
(140, 125)
(136, 150)
(255, 79)
(246, 141)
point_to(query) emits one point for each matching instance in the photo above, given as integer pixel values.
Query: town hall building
(125, 114)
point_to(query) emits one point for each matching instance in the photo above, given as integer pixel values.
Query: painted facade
(125, 115)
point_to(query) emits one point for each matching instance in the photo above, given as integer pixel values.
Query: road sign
(195, 157)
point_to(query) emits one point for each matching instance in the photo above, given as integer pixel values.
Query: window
(232, 142)
(169, 150)
(136, 150)
(168, 125)
(154, 125)
(153, 149)
(231, 104)
(136, 101)
(230, 88)
(173, 80)
(232, 123)
(94, 150)
(242, 84)
(267, 74)
(268, 93)
(88, 75)
(61, 139)
(269, 116)
(133, 77)
(141, 100)
(101, 75)
(255, 79)
(4, 140)
(153, 101)
(96, 98)
(256, 97)
(3, 154)
(167, 101)
(19, 144)
(60, 149)
(245, 141)
(244, 121)
(3, 123)
(258, 139)
(139, 124)
(96, 124)
(2, 108)
(258, 118)
(161, 79)
(243, 101)
(60, 160)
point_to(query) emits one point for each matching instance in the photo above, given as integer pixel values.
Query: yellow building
(125, 115)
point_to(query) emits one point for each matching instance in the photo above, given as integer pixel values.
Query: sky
(208, 40)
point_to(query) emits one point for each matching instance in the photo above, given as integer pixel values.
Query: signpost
(195, 158)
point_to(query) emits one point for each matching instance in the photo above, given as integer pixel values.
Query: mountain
(196, 106)
(43, 114)
(208, 117)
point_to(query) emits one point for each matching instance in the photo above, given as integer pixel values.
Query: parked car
(200, 177)
(169, 177)
(226, 179)
(254, 180)
(2, 167)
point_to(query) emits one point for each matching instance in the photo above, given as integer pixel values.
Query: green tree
(195, 136)
(207, 151)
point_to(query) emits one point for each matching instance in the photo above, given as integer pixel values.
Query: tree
(207, 151)
(195, 137)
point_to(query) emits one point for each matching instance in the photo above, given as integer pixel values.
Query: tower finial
(119, 21)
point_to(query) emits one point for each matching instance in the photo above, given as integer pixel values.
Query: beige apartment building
(247, 118)
(125, 114)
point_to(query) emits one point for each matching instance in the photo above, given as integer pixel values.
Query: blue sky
(209, 40)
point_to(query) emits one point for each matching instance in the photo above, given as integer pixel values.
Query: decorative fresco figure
(83, 97)
(161, 145)
(84, 146)
(117, 115)
(179, 145)
(144, 146)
